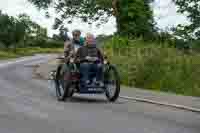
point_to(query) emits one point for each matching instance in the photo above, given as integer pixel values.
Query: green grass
(156, 67)
(8, 54)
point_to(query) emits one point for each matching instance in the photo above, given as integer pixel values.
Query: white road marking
(162, 103)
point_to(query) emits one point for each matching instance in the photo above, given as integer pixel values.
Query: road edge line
(182, 107)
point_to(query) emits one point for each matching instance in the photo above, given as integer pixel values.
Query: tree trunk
(116, 13)
(114, 5)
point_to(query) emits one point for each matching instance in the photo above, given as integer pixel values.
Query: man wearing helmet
(71, 45)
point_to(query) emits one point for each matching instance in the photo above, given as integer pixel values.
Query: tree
(33, 31)
(28, 23)
(7, 31)
(133, 17)
(56, 37)
(136, 17)
(15, 30)
(19, 32)
(63, 34)
(190, 8)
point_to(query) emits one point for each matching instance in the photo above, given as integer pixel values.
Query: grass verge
(8, 54)
(155, 67)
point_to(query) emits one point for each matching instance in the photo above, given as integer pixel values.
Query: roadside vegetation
(29, 51)
(20, 36)
(156, 67)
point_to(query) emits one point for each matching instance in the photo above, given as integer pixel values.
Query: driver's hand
(91, 58)
(71, 60)
(88, 58)
(105, 62)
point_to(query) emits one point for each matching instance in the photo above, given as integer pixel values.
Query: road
(27, 107)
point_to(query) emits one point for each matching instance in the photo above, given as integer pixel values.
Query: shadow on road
(79, 99)
(89, 100)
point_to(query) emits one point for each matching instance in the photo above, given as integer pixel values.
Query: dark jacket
(88, 50)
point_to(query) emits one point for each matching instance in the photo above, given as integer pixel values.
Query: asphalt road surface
(27, 107)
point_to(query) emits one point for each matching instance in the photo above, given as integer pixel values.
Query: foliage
(136, 17)
(63, 34)
(7, 32)
(87, 10)
(156, 67)
(133, 17)
(29, 51)
(190, 8)
(20, 31)
(100, 39)
(117, 42)
(12, 30)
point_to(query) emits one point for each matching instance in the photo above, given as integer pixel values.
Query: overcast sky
(164, 11)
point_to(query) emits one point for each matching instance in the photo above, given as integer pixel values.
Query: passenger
(90, 58)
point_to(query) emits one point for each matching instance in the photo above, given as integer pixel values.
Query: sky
(164, 12)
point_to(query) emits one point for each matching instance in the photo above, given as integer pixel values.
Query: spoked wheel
(112, 83)
(63, 90)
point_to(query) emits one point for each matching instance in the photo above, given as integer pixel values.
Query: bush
(44, 43)
(29, 51)
(54, 44)
(6, 55)
(156, 67)
(116, 42)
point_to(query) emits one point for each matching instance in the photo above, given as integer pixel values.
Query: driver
(90, 58)
(71, 45)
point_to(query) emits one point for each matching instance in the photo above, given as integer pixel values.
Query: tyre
(52, 83)
(63, 90)
(112, 83)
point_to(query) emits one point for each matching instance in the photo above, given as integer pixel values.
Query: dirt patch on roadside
(41, 71)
